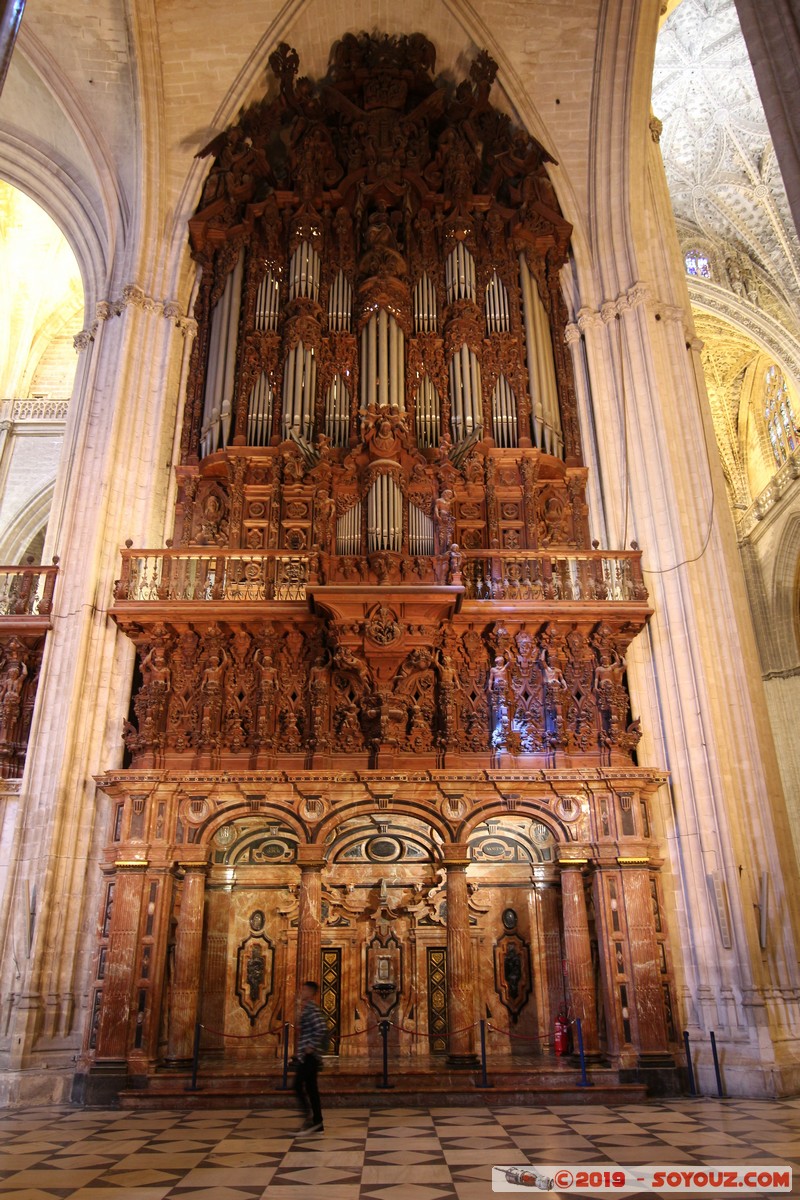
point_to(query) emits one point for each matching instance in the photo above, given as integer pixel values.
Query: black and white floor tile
(384, 1154)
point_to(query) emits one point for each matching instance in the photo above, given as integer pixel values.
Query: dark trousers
(305, 1086)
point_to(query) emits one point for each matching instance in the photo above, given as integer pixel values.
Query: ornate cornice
(135, 297)
(635, 296)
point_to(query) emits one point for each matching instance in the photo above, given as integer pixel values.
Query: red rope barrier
(425, 1036)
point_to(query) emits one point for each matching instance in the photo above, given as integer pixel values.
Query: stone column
(311, 860)
(185, 994)
(647, 1010)
(772, 35)
(122, 962)
(460, 979)
(578, 952)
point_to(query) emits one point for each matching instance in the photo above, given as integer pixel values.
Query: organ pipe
(259, 412)
(465, 394)
(340, 305)
(304, 273)
(420, 531)
(504, 414)
(498, 317)
(299, 390)
(545, 414)
(348, 531)
(460, 274)
(427, 409)
(384, 515)
(382, 362)
(220, 376)
(267, 303)
(426, 317)
(337, 412)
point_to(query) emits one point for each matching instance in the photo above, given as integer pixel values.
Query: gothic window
(782, 428)
(697, 264)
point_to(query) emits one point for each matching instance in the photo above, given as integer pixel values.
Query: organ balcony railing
(243, 576)
(27, 591)
(26, 602)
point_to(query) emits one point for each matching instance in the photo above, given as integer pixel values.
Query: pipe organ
(337, 412)
(384, 515)
(382, 362)
(541, 371)
(504, 414)
(460, 274)
(259, 412)
(465, 394)
(420, 531)
(348, 531)
(218, 395)
(427, 411)
(268, 300)
(304, 273)
(299, 390)
(367, 322)
(426, 307)
(340, 305)
(381, 579)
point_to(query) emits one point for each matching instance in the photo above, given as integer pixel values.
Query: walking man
(313, 1036)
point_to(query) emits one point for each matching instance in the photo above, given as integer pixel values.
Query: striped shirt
(313, 1030)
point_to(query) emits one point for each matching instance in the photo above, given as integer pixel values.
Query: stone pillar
(185, 994)
(122, 962)
(578, 952)
(311, 860)
(772, 35)
(647, 1009)
(460, 978)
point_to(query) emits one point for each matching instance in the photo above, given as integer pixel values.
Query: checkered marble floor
(386, 1154)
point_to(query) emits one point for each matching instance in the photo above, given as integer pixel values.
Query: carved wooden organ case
(382, 541)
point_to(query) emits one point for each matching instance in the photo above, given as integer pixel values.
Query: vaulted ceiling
(723, 176)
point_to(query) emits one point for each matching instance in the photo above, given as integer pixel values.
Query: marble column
(460, 978)
(648, 998)
(547, 897)
(311, 860)
(122, 962)
(185, 995)
(578, 953)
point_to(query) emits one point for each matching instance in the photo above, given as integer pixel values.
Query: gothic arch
(366, 807)
(460, 34)
(534, 809)
(31, 518)
(785, 597)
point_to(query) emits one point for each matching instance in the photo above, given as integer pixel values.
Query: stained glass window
(782, 428)
(697, 264)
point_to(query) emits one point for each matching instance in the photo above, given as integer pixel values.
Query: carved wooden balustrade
(26, 601)
(238, 576)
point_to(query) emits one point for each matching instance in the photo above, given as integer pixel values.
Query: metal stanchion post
(195, 1056)
(715, 1056)
(584, 1080)
(484, 1083)
(384, 1032)
(285, 1081)
(689, 1068)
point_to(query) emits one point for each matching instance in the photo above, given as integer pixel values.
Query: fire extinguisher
(561, 1040)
